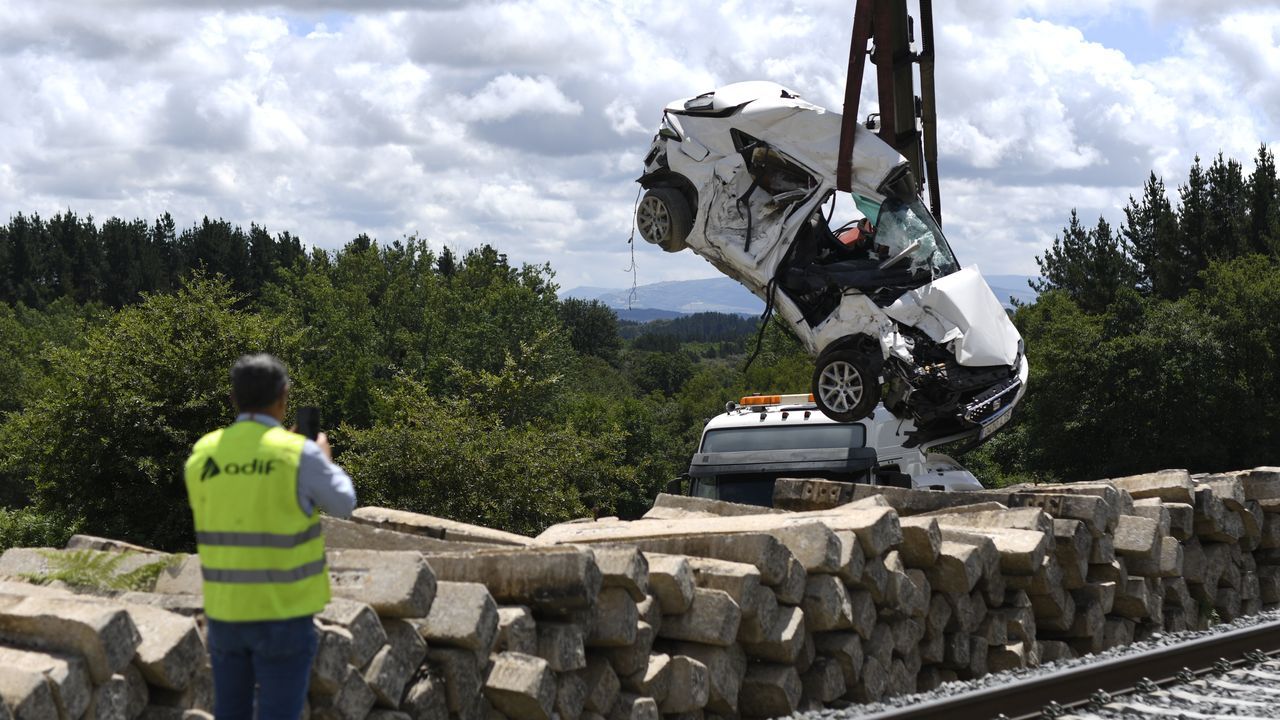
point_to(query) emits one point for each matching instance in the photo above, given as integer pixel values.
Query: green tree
(1090, 265)
(1264, 205)
(1228, 208)
(592, 328)
(1197, 231)
(663, 372)
(106, 441)
(1151, 231)
(216, 247)
(445, 458)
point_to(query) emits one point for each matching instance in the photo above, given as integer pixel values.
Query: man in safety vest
(254, 488)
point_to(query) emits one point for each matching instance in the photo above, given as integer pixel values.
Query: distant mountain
(664, 300)
(1015, 286)
(719, 294)
(644, 315)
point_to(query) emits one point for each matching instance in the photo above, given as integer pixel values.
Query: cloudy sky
(523, 123)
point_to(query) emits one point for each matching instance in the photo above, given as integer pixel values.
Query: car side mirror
(675, 486)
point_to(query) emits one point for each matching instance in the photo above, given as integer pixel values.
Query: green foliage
(28, 527)
(116, 263)
(521, 389)
(592, 328)
(447, 458)
(661, 372)
(1171, 366)
(782, 367)
(1150, 383)
(1264, 205)
(107, 439)
(698, 327)
(95, 570)
(461, 386)
(1090, 265)
(1151, 231)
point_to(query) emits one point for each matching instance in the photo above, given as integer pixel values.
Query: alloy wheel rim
(840, 386)
(653, 219)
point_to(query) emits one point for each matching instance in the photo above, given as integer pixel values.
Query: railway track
(1231, 674)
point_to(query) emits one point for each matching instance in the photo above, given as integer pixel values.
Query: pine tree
(6, 260)
(263, 259)
(1228, 209)
(1196, 232)
(1264, 205)
(289, 250)
(217, 247)
(1151, 231)
(1090, 265)
(124, 247)
(27, 272)
(446, 264)
(164, 257)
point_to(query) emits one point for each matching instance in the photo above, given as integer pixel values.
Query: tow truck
(762, 438)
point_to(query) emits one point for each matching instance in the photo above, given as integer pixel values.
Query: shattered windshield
(908, 239)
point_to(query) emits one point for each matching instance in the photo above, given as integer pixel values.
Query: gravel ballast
(1156, 642)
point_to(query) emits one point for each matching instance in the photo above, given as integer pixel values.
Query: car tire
(844, 386)
(664, 218)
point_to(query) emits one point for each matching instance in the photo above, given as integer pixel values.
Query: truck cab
(765, 437)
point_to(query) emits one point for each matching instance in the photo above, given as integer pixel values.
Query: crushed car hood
(961, 309)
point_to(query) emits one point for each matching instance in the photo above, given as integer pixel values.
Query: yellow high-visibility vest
(262, 558)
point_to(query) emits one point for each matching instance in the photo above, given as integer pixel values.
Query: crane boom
(888, 24)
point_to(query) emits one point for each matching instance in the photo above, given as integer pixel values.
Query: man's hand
(323, 441)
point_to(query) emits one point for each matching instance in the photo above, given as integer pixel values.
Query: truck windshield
(799, 437)
(745, 489)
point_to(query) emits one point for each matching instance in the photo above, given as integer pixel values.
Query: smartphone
(309, 421)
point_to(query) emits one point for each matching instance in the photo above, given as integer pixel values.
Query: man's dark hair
(257, 381)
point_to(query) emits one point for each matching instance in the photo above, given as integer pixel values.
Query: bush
(107, 440)
(28, 527)
(445, 458)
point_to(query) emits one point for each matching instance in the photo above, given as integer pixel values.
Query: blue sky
(1141, 38)
(523, 123)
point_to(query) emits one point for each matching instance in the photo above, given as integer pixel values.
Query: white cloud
(622, 117)
(523, 122)
(509, 95)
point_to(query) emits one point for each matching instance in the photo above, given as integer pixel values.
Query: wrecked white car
(743, 176)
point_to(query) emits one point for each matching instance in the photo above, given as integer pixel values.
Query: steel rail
(1074, 687)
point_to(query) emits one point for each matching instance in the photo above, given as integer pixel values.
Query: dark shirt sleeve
(322, 484)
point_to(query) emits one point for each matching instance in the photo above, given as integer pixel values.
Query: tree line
(1161, 250)
(1155, 345)
(115, 262)
(460, 386)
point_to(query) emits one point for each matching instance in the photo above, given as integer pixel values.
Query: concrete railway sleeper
(852, 597)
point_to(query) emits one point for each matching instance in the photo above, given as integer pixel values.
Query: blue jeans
(261, 665)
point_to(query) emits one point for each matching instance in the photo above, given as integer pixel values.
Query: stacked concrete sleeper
(702, 609)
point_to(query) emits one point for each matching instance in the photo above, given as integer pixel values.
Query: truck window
(800, 437)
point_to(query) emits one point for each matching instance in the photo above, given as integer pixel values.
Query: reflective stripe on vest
(247, 539)
(261, 557)
(263, 576)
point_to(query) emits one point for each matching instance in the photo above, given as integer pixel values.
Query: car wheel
(664, 218)
(844, 387)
